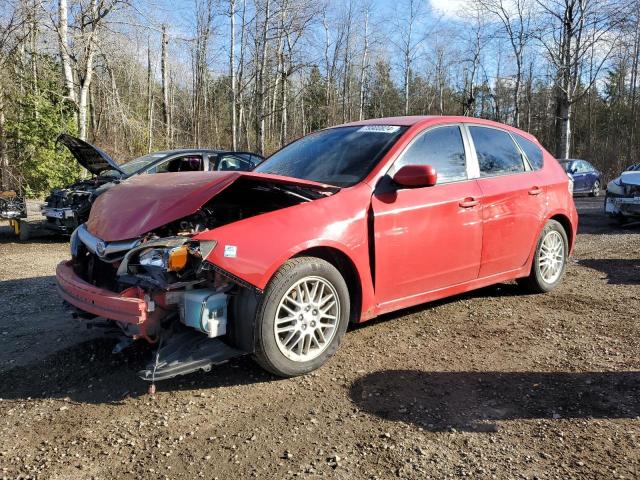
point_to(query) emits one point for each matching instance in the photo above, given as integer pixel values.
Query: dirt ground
(493, 384)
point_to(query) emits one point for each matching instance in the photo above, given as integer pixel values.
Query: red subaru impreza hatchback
(337, 227)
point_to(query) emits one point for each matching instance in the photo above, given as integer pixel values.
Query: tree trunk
(363, 68)
(149, 102)
(232, 76)
(564, 140)
(165, 87)
(4, 158)
(63, 40)
(83, 103)
(260, 90)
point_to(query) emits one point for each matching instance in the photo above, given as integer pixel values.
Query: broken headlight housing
(169, 259)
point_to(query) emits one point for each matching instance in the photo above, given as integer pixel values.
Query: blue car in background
(586, 178)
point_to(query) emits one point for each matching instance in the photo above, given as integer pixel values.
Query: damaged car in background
(622, 200)
(336, 228)
(66, 208)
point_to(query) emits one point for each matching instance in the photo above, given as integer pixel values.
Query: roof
(425, 120)
(187, 150)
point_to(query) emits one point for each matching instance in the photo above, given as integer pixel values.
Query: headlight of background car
(170, 259)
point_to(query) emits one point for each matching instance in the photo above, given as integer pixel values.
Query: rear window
(532, 151)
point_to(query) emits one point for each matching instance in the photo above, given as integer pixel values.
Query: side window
(497, 154)
(532, 151)
(187, 163)
(234, 162)
(443, 149)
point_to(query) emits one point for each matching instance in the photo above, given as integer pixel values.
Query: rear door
(427, 238)
(514, 202)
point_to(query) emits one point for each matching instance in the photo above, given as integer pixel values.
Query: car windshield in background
(340, 156)
(566, 165)
(140, 163)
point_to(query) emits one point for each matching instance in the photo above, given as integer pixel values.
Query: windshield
(567, 164)
(137, 164)
(340, 156)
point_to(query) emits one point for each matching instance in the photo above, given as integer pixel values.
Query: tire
(595, 191)
(25, 231)
(621, 219)
(281, 354)
(537, 281)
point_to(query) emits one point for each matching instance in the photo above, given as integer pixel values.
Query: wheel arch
(566, 225)
(347, 268)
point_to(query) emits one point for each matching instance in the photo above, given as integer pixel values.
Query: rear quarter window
(532, 151)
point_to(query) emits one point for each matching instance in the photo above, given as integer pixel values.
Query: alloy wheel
(551, 257)
(307, 319)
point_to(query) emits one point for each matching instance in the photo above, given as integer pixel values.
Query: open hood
(144, 203)
(87, 155)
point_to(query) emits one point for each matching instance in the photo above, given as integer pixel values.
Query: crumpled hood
(143, 203)
(89, 156)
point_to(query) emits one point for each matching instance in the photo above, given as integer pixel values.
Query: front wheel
(549, 261)
(302, 317)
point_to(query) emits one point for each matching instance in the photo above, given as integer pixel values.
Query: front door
(427, 238)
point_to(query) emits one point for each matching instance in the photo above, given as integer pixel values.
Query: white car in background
(623, 195)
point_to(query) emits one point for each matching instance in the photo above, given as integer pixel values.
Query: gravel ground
(492, 384)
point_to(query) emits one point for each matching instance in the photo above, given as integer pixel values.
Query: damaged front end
(623, 196)
(152, 289)
(159, 286)
(12, 206)
(66, 208)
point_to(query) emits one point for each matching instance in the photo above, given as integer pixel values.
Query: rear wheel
(550, 260)
(302, 317)
(595, 191)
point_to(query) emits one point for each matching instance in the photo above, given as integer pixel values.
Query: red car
(338, 227)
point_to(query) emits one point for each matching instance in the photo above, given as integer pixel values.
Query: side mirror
(413, 176)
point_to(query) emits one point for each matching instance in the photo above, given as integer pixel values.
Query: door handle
(469, 202)
(535, 191)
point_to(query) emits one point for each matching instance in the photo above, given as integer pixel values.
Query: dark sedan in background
(66, 208)
(586, 178)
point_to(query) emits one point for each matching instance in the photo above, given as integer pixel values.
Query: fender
(253, 249)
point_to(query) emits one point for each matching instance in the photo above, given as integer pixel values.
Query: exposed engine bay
(12, 205)
(163, 279)
(66, 208)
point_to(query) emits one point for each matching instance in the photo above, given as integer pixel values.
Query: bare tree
(365, 59)
(11, 37)
(232, 74)
(575, 27)
(515, 18)
(408, 44)
(164, 72)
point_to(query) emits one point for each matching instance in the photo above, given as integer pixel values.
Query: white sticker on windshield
(379, 128)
